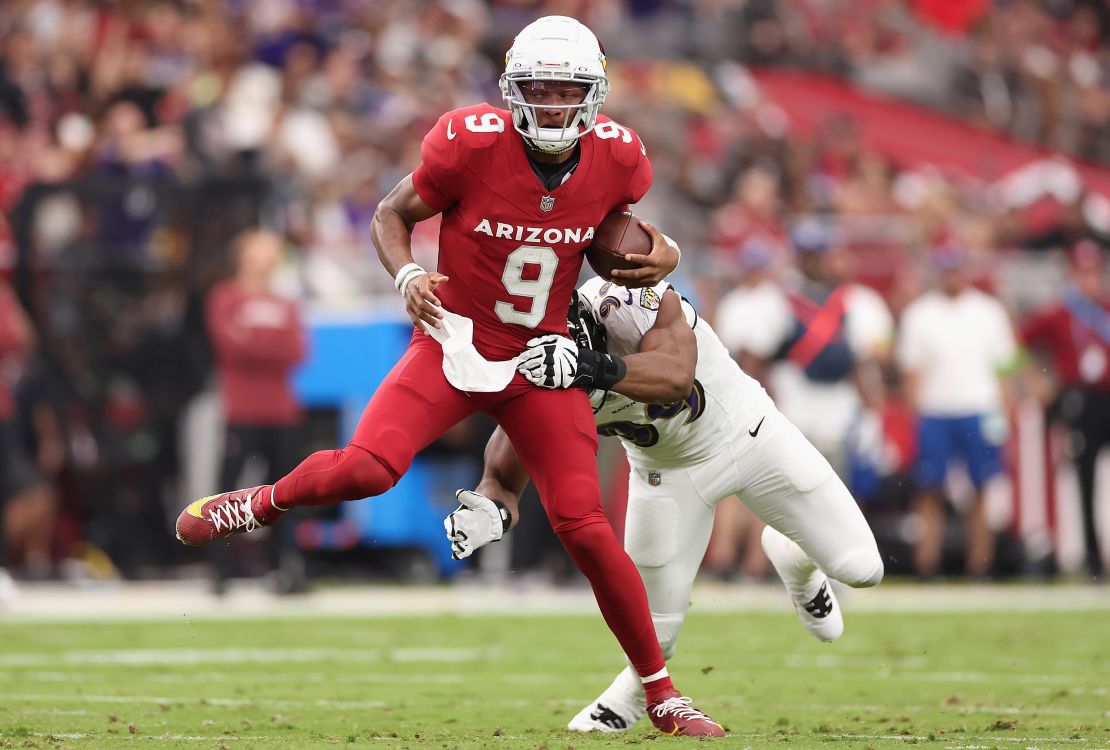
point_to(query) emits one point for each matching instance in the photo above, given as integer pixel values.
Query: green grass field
(966, 680)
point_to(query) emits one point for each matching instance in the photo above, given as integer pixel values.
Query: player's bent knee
(573, 505)
(360, 474)
(860, 570)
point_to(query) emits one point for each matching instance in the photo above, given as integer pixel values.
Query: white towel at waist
(464, 367)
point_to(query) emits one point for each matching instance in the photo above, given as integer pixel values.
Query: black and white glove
(554, 361)
(550, 361)
(475, 523)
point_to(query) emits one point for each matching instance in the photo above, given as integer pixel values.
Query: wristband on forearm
(408, 272)
(506, 515)
(677, 249)
(597, 370)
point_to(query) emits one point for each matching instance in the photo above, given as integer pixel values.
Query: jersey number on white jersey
(647, 435)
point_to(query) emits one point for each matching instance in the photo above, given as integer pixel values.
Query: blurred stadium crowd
(797, 146)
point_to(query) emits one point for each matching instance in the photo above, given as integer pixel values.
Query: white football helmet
(555, 48)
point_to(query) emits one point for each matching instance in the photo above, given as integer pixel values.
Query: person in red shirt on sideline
(1075, 331)
(521, 193)
(258, 339)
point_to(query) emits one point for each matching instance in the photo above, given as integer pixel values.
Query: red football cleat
(217, 516)
(675, 716)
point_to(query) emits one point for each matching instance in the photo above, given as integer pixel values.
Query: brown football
(618, 234)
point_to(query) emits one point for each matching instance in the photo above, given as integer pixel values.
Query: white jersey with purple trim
(724, 399)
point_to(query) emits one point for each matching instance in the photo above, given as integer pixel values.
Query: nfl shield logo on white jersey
(654, 478)
(547, 203)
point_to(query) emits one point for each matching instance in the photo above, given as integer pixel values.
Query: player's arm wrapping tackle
(661, 371)
(554, 361)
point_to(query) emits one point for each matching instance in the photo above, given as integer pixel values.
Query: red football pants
(554, 435)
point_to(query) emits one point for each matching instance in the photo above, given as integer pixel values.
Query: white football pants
(780, 476)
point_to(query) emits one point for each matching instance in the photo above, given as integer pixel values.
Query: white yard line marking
(1100, 691)
(973, 709)
(848, 669)
(440, 655)
(236, 677)
(184, 656)
(993, 739)
(179, 737)
(170, 600)
(161, 699)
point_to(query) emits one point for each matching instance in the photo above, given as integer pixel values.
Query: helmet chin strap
(548, 147)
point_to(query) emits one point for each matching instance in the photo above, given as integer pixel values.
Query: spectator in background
(955, 344)
(258, 340)
(1075, 331)
(824, 337)
(753, 214)
(28, 502)
(757, 294)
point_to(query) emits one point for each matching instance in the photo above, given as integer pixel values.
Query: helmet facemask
(578, 118)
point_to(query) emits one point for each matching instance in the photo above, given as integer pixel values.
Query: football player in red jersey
(521, 193)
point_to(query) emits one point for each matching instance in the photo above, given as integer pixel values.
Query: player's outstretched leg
(412, 407)
(814, 599)
(324, 478)
(615, 710)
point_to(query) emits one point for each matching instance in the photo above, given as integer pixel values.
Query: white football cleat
(814, 599)
(616, 710)
(607, 716)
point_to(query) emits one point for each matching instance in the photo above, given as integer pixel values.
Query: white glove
(474, 524)
(550, 361)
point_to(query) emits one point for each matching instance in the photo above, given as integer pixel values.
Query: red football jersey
(513, 249)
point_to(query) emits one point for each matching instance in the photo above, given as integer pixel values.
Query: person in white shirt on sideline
(820, 341)
(955, 345)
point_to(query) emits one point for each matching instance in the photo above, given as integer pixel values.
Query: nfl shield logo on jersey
(547, 203)
(654, 478)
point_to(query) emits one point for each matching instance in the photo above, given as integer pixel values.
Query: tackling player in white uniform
(697, 429)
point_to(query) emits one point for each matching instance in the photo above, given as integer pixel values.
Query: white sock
(799, 573)
(626, 688)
